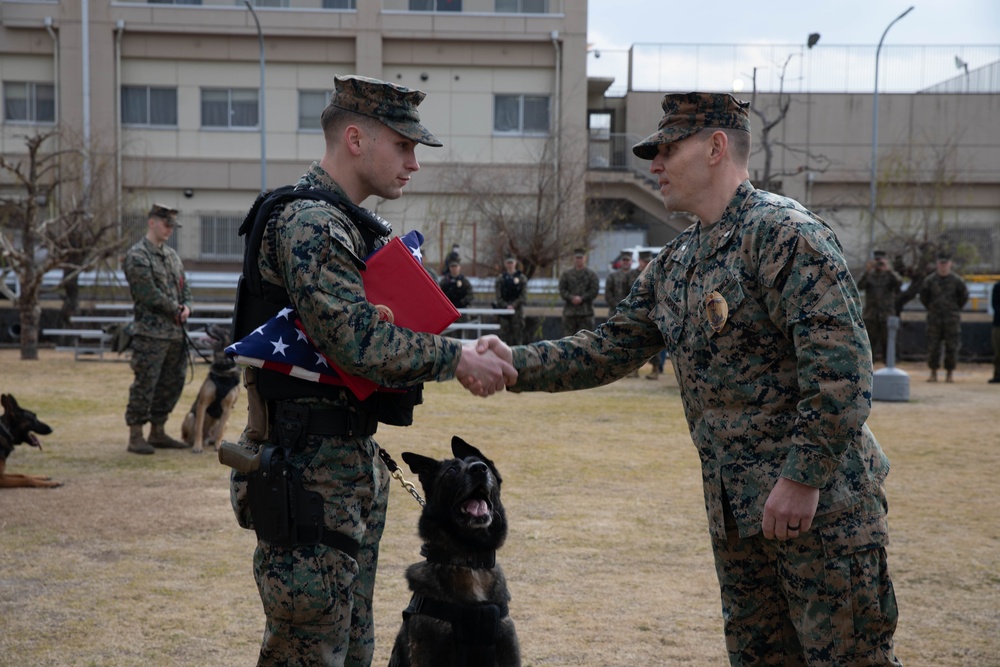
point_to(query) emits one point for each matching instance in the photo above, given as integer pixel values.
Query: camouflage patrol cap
(394, 105)
(168, 213)
(579, 252)
(687, 113)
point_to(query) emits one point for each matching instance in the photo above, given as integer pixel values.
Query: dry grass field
(138, 561)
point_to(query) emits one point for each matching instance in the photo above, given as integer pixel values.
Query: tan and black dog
(17, 426)
(206, 421)
(458, 615)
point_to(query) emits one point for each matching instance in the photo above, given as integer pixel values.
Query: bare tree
(526, 209)
(766, 137)
(917, 186)
(52, 218)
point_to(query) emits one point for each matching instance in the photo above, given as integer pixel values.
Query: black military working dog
(206, 421)
(458, 613)
(17, 426)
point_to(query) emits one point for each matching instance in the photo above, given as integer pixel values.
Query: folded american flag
(282, 345)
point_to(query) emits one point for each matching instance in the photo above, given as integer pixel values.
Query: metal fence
(796, 68)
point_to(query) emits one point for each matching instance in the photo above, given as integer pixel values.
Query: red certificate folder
(399, 286)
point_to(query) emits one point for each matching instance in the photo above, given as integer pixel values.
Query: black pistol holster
(285, 514)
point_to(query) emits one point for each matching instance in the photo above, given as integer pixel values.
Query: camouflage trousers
(946, 333)
(824, 599)
(573, 323)
(877, 326)
(159, 366)
(513, 329)
(318, 600)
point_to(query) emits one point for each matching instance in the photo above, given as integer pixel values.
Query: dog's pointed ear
(463, 450)
(9, 404)
(423, 467)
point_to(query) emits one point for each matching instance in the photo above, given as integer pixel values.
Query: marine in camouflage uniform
(578, 287)
(618, 283)
(943, 294)
(881, 286)
(162, 299)
(510, 291)
(776, 393)
(318, 600)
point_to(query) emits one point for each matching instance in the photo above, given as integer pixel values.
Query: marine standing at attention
(159, 288)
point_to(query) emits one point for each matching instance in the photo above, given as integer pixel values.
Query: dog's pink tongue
(476, 507)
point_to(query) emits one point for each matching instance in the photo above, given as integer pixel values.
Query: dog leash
(398, 474)
(194, 347)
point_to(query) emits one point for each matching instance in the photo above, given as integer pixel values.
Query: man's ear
(353, 136)
(718, 147)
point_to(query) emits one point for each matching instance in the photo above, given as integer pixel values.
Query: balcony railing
(519, 7)
(613, 152)
(794, 68)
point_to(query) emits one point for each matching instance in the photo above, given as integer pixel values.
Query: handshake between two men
(486, 366)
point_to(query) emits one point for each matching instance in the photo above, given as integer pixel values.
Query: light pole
(263, 123)
(871, 203)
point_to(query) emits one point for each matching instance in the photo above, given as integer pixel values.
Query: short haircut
(739, 142)
(334, 119)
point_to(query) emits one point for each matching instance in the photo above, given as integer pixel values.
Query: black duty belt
(326, 421)
(341, 542)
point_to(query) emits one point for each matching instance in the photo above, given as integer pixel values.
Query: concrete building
(170, 91)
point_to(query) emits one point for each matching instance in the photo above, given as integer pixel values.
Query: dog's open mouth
(476, 509)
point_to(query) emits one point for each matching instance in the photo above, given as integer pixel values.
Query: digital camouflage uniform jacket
(617, 286)
(315, 252)
(158, 285)
(783, 389)
(583, 282)
(944, 297)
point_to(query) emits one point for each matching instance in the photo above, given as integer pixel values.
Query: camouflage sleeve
(185, 293)
(498, 292)
(963, 293)
(315, 252)
(811, 296)
(564, 288)
(591, 359)
(143, 286)
(593, 286)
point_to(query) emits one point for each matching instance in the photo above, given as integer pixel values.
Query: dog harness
(475, 626)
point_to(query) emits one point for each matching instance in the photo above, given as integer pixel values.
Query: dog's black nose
(478, 468)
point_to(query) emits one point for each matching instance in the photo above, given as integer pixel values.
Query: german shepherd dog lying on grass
(18, 426)
(458, 614)
(206, 421)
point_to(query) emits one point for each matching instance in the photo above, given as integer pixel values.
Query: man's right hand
(484, 373)
(492, 343)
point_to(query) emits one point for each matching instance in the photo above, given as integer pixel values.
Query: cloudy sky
(620, 23)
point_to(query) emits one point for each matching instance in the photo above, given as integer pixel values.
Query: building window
(147, 105)
(268, 3)
(435, 5)
(29, 102)
(311, 105)
(340, 4)
(521, 114)
(522, 6)
(220, 237)
(229, 107)
(174, 2)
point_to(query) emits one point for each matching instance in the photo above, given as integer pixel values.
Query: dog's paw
(196, 450)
